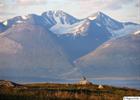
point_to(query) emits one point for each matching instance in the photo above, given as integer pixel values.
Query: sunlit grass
(46, 91)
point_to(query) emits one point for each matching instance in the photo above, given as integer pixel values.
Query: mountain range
(56, 45)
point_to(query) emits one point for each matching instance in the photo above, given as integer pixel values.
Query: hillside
(115, 58)
(29, 51)
(43, 91)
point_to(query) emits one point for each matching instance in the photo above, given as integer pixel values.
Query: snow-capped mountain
(115, 28)
(49, 45)
(58, 17)
(82, 43)
(61, 23)
(81, 37)
(99, 19)
(104, 20)
(30, 19)
(72, 33)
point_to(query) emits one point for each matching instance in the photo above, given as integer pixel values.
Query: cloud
(31, 2)
(1, 4)
(100, 4)
(6, 13)
(117, 4)
(137, 4)
(107, 4)
(22, 2)
(78, 8)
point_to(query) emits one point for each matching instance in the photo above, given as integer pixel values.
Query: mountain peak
(96, 15)
(58, 17)
(57, 13)
(99, 13)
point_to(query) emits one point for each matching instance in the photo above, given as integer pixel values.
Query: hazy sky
(123, 10)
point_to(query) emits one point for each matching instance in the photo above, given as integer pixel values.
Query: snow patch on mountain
(74, 29)
(24, 17)
(19, 22)
(98, 24)
(127, 29)
(92, 17)
(5, 23)
(137, 32)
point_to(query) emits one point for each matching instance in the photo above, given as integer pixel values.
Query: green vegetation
(50, 91)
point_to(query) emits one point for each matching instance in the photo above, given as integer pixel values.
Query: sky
(122, 10)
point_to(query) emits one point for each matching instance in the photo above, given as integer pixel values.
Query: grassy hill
(51, 91)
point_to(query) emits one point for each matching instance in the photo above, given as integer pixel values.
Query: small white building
(84, 81)
(100, 87)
